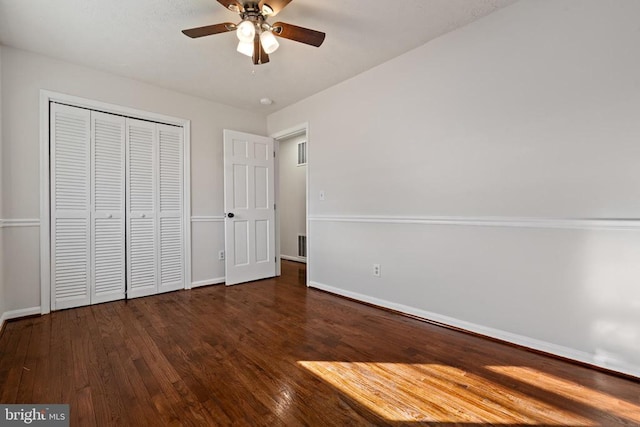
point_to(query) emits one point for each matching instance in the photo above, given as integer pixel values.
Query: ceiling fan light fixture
(246, 31)
(267, 10)
(257, 38)
(269, 42)
(245, 48)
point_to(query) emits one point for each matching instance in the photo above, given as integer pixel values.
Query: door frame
(46, 97)
(300, 129)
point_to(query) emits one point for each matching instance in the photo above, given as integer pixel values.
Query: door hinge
(274, 206)
(274, 154)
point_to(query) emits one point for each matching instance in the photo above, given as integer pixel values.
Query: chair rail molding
(490, 221)
(207, 218)
(19, 222)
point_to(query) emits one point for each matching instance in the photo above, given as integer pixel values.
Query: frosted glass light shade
(246, 48)
(246, 31)
(269, 42)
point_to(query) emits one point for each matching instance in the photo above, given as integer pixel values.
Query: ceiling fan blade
(259, 55)
(232, 5)
(209, 30)
(272, 5)
(299, 34)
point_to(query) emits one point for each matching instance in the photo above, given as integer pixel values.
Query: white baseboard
(15, 314)
(521, 340)
(294, 258)
(207, 282)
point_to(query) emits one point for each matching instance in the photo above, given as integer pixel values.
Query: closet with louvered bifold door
(116, 207)
(154, 197)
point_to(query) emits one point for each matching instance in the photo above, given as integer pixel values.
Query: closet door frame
(46, 98)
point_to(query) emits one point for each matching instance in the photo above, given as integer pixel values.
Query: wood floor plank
(275, 352)
(33, 357)
(20, 338)
(108, 406)
(42, 347)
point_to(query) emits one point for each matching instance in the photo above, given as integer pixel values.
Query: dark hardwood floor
(276, 353)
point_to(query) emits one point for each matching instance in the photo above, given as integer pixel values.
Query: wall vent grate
(302, 153)
(302, 246)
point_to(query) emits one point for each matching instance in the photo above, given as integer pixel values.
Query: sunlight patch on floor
(436, 393)
(571, 390)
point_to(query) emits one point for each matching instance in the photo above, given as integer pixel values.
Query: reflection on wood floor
(276, 353)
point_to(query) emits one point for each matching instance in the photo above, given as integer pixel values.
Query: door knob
(110, 216)
(142, 215)
(230, 215)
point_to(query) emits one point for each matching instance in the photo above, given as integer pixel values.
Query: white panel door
(141, 193)
(70, 206)
(108, 207)
(170, 215)
(249, 207)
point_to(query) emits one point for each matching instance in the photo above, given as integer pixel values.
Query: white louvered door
(142, 248)
(170, 197)
(155, 245)
(117, 213)
(108, 207)
(70, 206)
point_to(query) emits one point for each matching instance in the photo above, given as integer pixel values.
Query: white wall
(23, 75)
(457, 165)
(293, 197)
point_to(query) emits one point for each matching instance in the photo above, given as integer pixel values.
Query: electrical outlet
(221, 256)
(376, 270)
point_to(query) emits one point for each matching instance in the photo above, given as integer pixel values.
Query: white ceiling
(141, 39)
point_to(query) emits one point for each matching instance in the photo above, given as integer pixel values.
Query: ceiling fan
(256, 35)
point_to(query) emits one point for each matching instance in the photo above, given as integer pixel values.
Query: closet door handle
(143, 215)
(110, 216)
